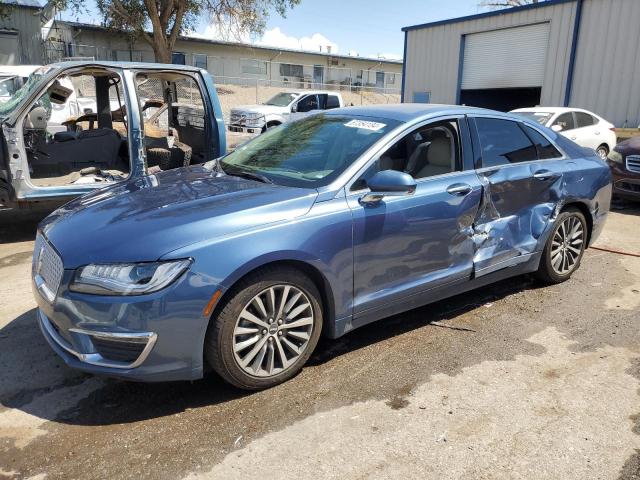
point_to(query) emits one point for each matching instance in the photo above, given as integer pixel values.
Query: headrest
(440, 152)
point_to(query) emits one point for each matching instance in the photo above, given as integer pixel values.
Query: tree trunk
(161, 50)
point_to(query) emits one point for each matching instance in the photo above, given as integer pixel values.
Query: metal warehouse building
(580, 53)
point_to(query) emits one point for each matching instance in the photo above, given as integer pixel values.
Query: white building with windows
(231, 62)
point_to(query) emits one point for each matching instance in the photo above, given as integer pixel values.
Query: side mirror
(556, 128)
(294, 108)
(389, 183)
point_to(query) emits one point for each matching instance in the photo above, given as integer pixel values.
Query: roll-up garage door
(507, 58)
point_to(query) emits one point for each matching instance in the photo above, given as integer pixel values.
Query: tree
(495, 4)
(161, 22)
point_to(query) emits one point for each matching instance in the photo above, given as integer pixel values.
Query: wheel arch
(312, 271)
(584, 209)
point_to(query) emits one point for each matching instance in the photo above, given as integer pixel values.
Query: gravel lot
(515, 380)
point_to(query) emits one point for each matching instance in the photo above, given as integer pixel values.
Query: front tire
(564, 248)
(267, 329)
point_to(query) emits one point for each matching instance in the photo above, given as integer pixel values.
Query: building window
(200, 60)
(289, 70)
(421, 97)
(253, 67)
(391, 78)
(178, 58)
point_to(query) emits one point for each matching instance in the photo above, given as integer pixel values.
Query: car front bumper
(626, 184)
(155, 337)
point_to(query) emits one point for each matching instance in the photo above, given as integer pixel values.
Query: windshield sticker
(373, 126)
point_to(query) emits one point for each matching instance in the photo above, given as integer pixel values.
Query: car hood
(264, 109)
(145, 218)
(630, 146)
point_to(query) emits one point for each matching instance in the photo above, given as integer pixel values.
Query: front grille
(633, 163)
(630, 187)
(47, 264)
(117, 350)
(237, 117)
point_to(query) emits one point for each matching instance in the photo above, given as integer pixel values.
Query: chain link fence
(244, 81)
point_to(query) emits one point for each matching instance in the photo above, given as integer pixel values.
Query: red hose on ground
(619, 252)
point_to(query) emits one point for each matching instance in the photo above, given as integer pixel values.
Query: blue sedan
(317, 227)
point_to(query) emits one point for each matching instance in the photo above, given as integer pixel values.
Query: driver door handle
(459, 189)
(544, 174)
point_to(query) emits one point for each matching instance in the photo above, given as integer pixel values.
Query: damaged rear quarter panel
(517, 211)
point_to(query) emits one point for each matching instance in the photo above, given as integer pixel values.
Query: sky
(369, 28)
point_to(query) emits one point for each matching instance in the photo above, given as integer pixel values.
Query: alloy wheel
(602, 153)
(273, 330)
(567, 245)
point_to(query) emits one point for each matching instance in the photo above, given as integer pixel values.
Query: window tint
(427, 151)
(503, 142)
(308, 103)
(332, 102)
(565, 121)
(584, 119)
(544, 147)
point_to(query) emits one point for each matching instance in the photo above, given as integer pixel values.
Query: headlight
(253, 116)
(615, 156)
(127, 278)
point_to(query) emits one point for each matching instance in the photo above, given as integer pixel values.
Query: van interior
(76, 132)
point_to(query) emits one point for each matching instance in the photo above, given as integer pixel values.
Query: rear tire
(602, 151)
(564, 248)
(266, 330)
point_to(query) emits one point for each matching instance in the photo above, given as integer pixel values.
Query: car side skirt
(426, 297)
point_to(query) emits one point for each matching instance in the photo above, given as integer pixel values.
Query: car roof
(405, 112)
(125, 65)
(552, 110)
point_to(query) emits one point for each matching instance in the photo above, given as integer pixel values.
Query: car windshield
(308, 153)
(33, 83)
(541, 117)
(281, 99)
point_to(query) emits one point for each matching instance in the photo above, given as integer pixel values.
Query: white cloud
(271, 38)
(315, 43)
(221, 32)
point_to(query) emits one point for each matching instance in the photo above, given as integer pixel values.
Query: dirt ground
(516, 380)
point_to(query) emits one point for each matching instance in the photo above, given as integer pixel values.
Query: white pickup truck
(279, 108)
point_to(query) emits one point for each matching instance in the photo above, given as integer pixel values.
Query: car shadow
(625, 207)
(20, 225)
(118, 402)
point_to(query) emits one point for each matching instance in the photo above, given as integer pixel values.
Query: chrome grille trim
(633, 163)
(148, 338)
(47, 268)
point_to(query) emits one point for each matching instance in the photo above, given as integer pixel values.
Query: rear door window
(544, 147)
(584, 120)
(332, 102)
(503, 142)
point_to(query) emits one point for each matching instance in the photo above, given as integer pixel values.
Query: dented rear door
(520, 192)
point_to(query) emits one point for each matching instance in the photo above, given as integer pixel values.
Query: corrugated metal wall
(607, 66)
(26, 21)
(606, 76)
(432, 56)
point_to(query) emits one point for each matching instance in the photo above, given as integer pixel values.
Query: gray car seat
(92, 148)
(438, 159)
